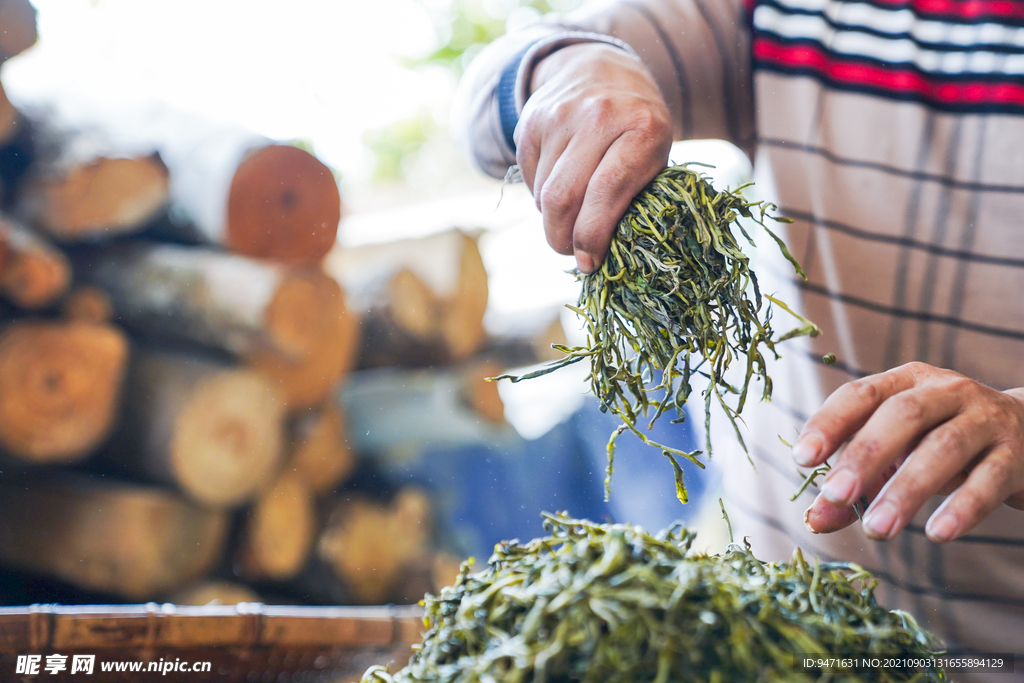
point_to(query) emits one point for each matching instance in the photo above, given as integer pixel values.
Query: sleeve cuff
(515, 77)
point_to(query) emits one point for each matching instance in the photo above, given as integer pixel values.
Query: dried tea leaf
(676, 296)
(613, 604)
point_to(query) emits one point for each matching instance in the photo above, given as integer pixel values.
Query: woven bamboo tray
(249, 642)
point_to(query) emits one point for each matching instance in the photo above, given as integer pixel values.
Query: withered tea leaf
(599, 603)
(674, 300)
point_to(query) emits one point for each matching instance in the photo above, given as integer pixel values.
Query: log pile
(176, 327)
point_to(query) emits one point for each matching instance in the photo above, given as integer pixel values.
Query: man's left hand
(914, 432)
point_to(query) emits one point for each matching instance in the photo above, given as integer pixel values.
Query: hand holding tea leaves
(676, 301)
(593, 132)
(916, 431)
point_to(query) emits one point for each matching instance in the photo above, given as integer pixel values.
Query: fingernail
(838, 488)
(880, 520)
(807, 519)
(584, 262)
(941, 528)
(807, 449)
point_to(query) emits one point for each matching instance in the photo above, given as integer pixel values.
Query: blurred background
(250, 296)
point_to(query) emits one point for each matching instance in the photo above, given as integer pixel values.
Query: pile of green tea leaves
(613, 604)
(676, 296)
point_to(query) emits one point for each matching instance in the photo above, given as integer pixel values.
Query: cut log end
(227, 439)
(321, 455)
(283, 204)
(413, 304)
(462, 312)
(298, 317)
(279, 531)
(59, 388)
(480, 395)
(307, 381)
(102, 197)
(367, 544)
(34, 273)
(88, 304)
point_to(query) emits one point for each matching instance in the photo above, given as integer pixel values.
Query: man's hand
(593, 133)
(914, 432)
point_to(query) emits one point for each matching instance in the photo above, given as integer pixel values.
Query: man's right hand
(595, 130)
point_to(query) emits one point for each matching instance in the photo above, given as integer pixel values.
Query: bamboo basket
(249, 642)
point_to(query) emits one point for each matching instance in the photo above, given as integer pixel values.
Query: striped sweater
(894, 131)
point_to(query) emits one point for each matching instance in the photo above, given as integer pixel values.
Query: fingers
(621, 175)
(891, 432)
(561, 193)
(940, 457)
(595, 129)
(823, 518)
(999, 475)
(846, 411)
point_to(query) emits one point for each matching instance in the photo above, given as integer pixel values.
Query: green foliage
(396, 143)
(464, 27)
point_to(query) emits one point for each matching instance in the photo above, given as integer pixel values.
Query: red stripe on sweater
(954, 10)
(898, 80)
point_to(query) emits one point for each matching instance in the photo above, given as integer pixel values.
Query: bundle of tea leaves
(612, 604)
(675, 299)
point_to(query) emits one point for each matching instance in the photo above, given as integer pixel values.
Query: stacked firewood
(177, 325)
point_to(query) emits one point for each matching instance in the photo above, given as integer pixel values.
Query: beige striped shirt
(895, 135)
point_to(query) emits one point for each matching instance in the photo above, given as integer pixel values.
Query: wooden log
(308, 381)
(88, 304)
(422, 301)
(320, 452)
(233, 303)
(213, 592)
(17, 27)
(237, 189)
(480, 394)
(133, 541)
(289, 322)
(81, 187)
(278, 531)
(367, 543)
(211, 429)
(33, 273)
(283, 204)
(60, 384)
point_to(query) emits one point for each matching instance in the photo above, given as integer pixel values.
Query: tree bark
(212, 430)
(134, 541)
(60, 384)
(233, 303)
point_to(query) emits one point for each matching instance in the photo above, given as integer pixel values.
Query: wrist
(571, 57)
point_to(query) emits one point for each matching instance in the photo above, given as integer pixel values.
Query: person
(894, 134)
